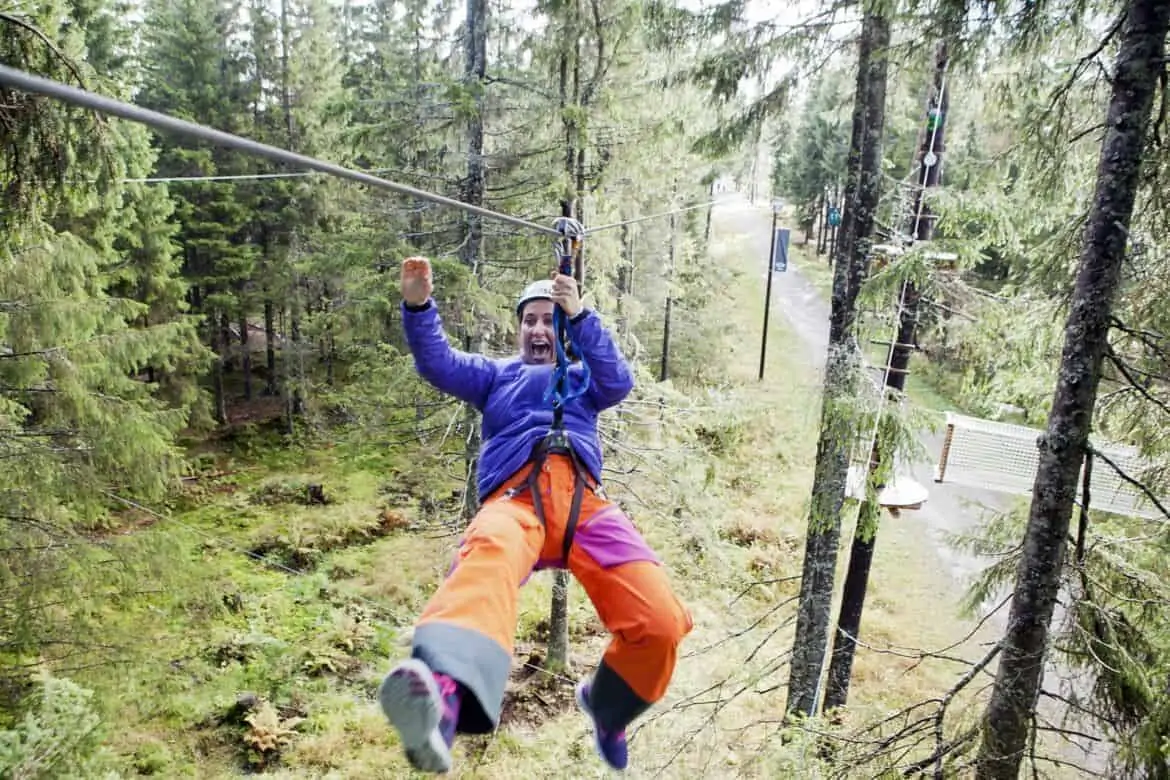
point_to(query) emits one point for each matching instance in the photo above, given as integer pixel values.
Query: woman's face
(536, 333)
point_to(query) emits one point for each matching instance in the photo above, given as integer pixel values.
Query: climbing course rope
(636, 220)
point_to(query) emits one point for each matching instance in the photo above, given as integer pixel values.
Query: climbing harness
(556, 442)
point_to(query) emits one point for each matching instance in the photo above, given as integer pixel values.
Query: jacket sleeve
(610, 377)
(466, 376)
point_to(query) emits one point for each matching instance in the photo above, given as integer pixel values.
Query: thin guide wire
(636, 220)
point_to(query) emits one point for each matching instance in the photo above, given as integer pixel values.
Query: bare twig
(965, 680)
(29, 27)
(1140, 486)
(1139, 387)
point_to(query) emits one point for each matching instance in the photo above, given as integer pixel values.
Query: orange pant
(467, 629)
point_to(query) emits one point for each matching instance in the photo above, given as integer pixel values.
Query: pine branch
(745, 630)
(1077, 136)
(520, 85)
(1082, 65)
(761, 583)
(942, 751)
(1135, 483)
(1160, 120)
(943, 748)
(1149, 338)
(29, 27)
(34, 353)
(1139, 387)
(1075, 705)
(602, 64)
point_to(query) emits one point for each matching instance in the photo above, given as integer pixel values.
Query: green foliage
(60, 736)
(94, 384)
(813, 158)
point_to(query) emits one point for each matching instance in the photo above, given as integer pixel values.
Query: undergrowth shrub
(60, 736)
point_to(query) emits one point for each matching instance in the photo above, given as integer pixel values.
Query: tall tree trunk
(570, 66)
(420, 154)
(707, 227)
(921, 228)
(225, 341)
(835, 229)
(220, 346)
(1140, 60)
(294, 366)
(664, 367)
(296, 403)
(329, 347)
(295, 370)
(245, 356)
(471, 249)
(841, 368)
(625, 271)
(285, 76)
(270, 385)
(821, 222)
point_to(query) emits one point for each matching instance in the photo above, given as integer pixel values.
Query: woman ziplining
(542, 506)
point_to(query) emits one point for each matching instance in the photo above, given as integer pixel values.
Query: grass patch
(816, 268)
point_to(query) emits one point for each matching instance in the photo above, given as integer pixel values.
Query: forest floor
(261, 645)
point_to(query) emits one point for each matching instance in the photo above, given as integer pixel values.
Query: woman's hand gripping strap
(567, 247)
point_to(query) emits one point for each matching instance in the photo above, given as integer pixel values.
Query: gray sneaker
(413, 701)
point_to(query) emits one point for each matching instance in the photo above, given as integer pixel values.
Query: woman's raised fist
(417, 284)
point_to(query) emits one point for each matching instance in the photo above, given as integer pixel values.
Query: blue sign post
(777, 261)
(780, 249)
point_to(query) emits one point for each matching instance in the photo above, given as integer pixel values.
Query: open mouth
(541, 350)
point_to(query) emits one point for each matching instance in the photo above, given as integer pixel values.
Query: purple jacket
(510, 394)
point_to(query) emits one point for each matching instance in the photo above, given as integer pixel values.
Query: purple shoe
(611, 745)
(424, 707)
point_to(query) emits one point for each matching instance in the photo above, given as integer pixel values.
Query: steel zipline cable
(80, 97)
(27, 82)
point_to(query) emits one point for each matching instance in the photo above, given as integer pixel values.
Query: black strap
(575, 508)
(557, 441)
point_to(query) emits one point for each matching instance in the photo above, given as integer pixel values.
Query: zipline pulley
(567, 245)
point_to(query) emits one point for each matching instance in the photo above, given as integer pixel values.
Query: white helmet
(539, 290)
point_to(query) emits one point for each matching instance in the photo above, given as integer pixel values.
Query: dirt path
(949, 509)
